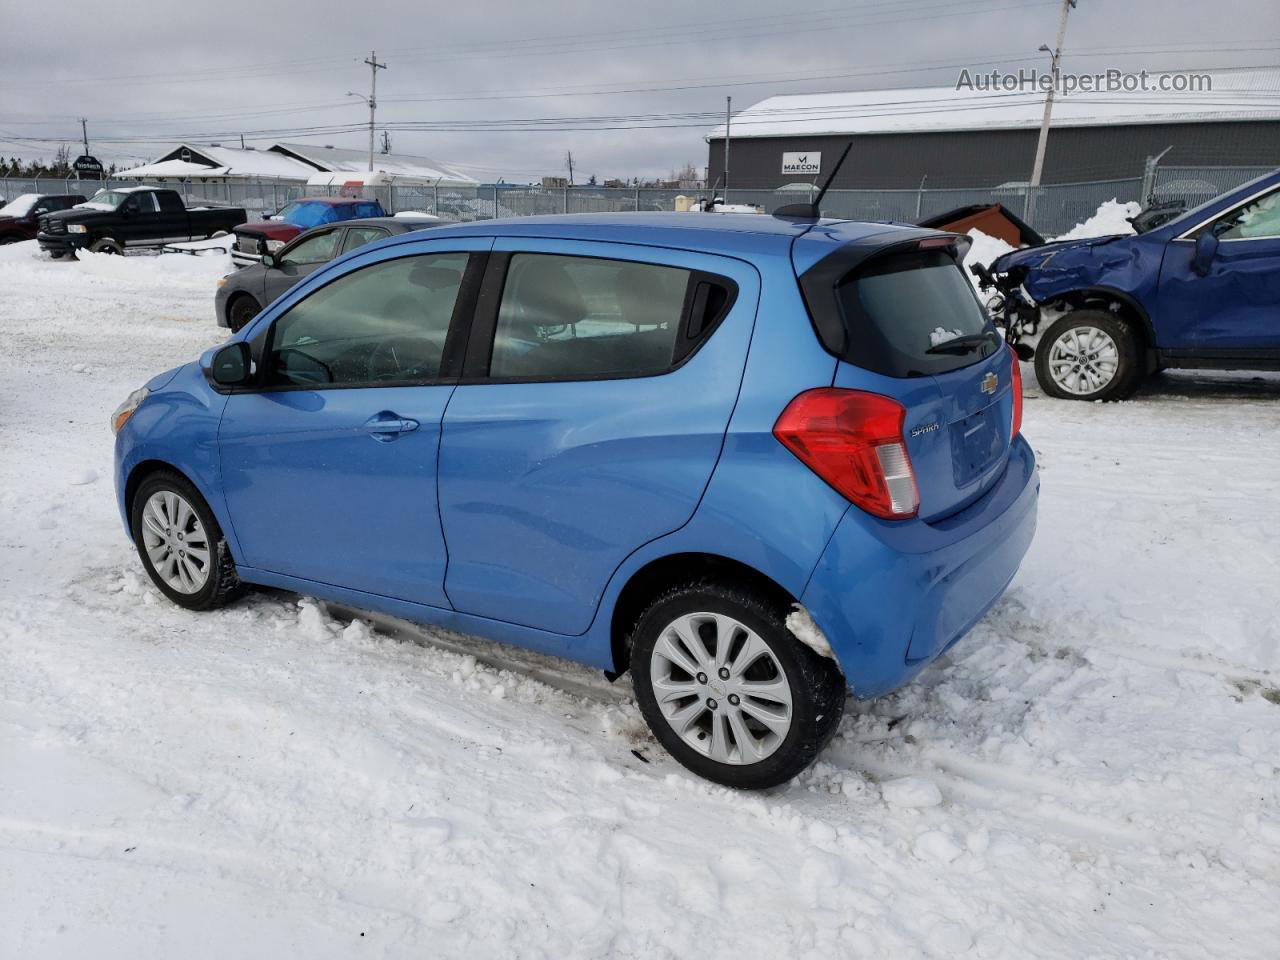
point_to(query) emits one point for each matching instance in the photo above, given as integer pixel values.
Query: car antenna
(709, 201)
(812, 210)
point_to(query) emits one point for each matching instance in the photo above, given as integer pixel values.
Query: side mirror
(232, 366)
(269, 261)
(1206, 249)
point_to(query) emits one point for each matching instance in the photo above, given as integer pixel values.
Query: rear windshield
(913, 315)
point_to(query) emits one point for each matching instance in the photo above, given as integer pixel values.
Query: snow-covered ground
(1091, 774)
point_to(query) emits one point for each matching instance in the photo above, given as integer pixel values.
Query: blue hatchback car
(1200, 291)
(759, 462)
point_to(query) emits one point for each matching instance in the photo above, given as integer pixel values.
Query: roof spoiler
(812, 210)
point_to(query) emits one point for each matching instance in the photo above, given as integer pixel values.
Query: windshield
(302, 213)
(19, 206)
(1192, 216)
(108, 198)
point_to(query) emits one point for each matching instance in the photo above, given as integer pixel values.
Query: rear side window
(385, 323)
(901, 312)
(573, 318)
(368, 210)
(170, 202)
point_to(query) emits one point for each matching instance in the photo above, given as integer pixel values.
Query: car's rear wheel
(727, 689)
(242, 309)
(1089, 355)
(106, 245)
(180, 543)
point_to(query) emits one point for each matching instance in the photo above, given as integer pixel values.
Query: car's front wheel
(727, 689)
(106, 245)
(243, 309)
(180, 543)
(1089, 355)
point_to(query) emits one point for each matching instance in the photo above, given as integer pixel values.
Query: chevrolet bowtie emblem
(989, 383)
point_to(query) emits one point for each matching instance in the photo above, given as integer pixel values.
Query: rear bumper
(891, 596)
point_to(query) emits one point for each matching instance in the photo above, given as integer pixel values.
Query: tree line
(60, 166)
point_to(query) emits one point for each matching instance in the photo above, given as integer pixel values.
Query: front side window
(141, 203)
(368, 210)
(317, 249)
(1258, 220)
(565, 318)
(358, 236)
(385, 323)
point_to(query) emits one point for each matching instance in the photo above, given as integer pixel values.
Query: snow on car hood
(90, 205)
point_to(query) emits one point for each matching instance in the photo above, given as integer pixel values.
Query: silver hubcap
(175, 541)
(1083, 360)
(720, 688)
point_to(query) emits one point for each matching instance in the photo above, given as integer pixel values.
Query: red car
(268, 236)
(20, 217)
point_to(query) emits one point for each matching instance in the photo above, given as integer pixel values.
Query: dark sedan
(244, 293)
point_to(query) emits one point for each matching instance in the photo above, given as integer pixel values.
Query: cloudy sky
(505, 89)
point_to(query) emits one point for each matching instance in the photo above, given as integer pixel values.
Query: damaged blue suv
(757, 461)
(1200, 291)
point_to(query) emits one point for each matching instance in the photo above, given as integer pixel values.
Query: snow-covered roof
(1235, 95)
(400, 166)
(173, 169)
(188, 160)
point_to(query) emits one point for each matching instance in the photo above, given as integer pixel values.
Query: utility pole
(386, 142)
(568, 159)
(84, 133)
(728, 117)
(1056, 55)
(242, 141)
(374, 67)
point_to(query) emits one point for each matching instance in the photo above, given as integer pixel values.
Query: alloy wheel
(721, 688)
(1083, 360)
(175, 541)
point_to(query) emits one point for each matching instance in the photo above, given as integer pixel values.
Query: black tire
(1129, 359)
(9, 238)
(816, 685)
(221, 584)
(106, 245)
(241, 310)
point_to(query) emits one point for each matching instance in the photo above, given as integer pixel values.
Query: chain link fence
(1052, 209)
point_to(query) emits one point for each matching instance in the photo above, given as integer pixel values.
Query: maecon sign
(801, 163)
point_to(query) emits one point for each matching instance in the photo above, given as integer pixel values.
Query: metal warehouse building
(968, 138)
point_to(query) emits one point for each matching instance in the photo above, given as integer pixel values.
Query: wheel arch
(1104, 297)
(143, 469)
(235, 298)
(665, 572)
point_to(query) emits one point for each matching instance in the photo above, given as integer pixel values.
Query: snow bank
(180, 268)
(985, 248)
(1109, 221)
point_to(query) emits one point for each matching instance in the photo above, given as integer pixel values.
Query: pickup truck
(20, 217)
(123, 218)
(1199, 291)
(306, 213)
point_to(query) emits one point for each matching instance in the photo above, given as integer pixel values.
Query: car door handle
(386, 426)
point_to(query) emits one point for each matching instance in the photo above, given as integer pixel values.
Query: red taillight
(1016, 427)
(853, 441)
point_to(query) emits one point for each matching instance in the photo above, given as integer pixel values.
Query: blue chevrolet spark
(757, 461)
